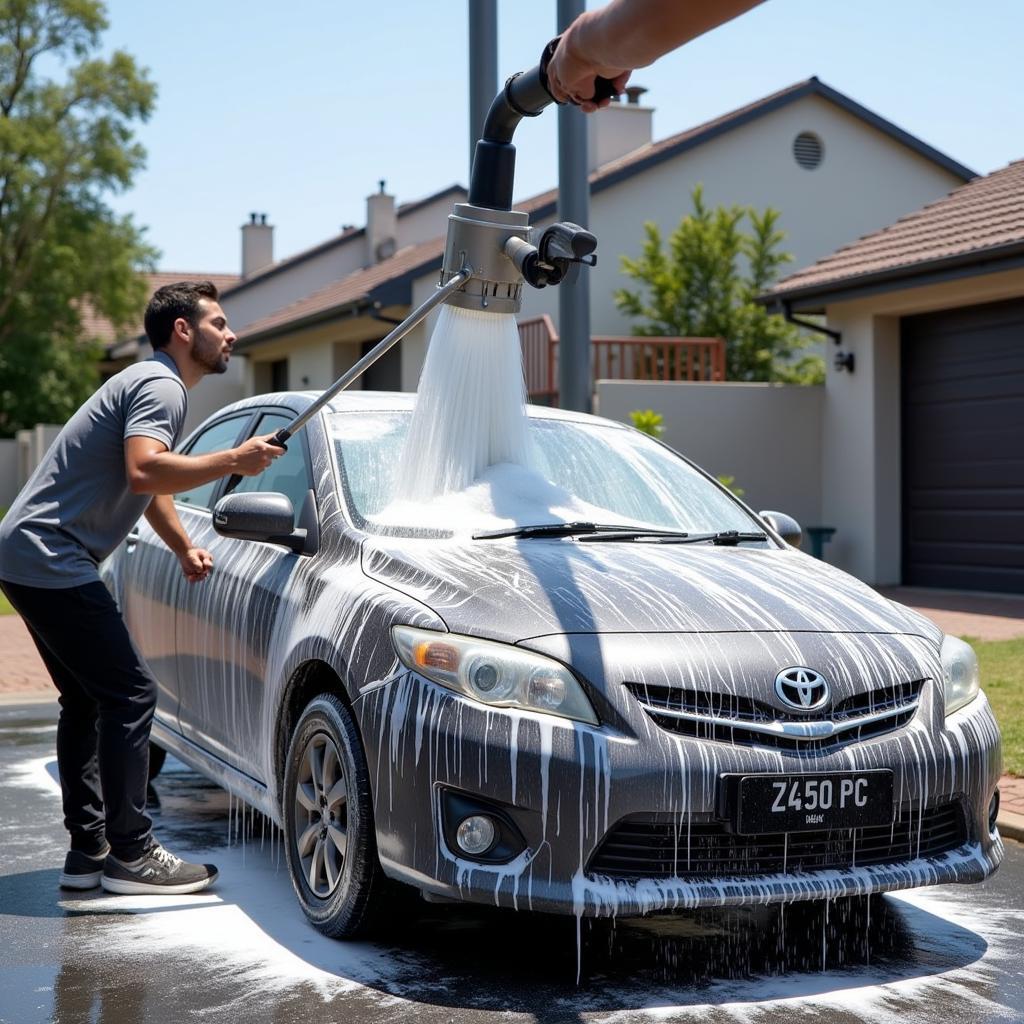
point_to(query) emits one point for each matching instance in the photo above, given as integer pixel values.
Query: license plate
(802, 803)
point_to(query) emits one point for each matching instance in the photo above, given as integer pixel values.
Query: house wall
(766, 436)
(865, 181)
(249, 304)
(428, 221)
(861, 433)
(316, 356)
(214, 392)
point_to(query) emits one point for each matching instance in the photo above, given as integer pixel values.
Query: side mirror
(258, 515)
(785, 526)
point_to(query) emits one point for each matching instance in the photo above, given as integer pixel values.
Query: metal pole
(483, 66)
(574, 383)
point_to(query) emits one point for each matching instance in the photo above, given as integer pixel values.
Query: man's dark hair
(180, 299)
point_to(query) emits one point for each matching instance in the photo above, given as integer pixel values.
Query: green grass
(1002, 679)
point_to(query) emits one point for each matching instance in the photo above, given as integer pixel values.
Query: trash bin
(820, 536)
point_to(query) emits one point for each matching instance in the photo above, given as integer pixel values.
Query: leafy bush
(705, 285)
(647, 421)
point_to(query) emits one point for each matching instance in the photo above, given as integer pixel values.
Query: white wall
(865, 181)
(767, 436)
(214, 392)
(428, 221)
(319, 270)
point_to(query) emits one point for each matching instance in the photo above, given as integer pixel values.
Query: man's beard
(210, 357)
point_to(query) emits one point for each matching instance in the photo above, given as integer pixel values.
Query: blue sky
(298, 109)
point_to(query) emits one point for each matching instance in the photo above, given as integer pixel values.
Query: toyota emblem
(802, 688)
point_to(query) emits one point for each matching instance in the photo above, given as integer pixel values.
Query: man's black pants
(107, 697)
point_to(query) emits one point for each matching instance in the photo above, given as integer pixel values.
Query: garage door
(963, 448)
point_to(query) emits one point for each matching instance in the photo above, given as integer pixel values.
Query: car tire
(330, 843)
(157, 756)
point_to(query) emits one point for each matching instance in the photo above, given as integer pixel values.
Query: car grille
(638, 848)
(729, 718)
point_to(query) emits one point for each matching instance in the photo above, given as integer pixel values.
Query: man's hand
(255, 455)
(571, 74)
(196, 564)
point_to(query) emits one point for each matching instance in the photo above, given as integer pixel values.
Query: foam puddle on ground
(248, 939)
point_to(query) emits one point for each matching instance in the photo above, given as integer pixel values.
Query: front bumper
(566, 785)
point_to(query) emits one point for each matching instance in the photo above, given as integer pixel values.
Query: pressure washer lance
(488, 251)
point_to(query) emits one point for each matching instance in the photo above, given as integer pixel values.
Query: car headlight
(961, 679)
(492, 673)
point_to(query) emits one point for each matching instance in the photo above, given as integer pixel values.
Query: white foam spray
(470, 407)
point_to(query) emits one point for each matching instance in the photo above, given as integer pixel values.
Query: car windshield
(581, 471)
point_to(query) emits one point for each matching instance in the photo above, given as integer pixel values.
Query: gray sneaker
(157, 872)
(82, 870)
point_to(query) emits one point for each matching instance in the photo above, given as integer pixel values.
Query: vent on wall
(808, 150)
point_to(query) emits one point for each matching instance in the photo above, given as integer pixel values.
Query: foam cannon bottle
(489, 251)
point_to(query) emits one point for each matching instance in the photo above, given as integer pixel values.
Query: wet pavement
(244, 951)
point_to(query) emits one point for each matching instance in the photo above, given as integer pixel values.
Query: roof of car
(384, 401)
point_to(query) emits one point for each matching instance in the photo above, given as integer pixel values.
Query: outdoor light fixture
(843, 361)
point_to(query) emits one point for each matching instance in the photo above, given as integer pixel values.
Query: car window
(287, 474)
(600, 469)
(218, 438)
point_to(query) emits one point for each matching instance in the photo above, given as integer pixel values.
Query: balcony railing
(660, 359)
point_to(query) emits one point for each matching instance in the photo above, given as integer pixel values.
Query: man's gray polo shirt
(77, 506)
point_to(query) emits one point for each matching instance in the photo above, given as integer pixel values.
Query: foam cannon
(489, 251)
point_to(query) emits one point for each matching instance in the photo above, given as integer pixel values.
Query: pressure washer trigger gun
(280, 438)
(561, 246)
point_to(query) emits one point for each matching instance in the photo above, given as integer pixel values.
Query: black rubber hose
(494, 159)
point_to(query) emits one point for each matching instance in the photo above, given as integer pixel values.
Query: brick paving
(985, 616)
(21, 670)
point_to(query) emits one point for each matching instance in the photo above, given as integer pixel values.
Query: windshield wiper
(589, 531)
(722, 538)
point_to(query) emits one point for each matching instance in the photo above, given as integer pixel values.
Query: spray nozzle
(560, 246)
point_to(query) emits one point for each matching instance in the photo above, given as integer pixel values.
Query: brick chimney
(257, 244)
(381, 226)
(618, 129)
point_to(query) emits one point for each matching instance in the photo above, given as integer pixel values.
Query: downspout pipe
(787, 313)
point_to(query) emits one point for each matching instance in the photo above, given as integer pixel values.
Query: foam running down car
(597, 685)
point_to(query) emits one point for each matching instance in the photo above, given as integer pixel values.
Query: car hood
(514, 590)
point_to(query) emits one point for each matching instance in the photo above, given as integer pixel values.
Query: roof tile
(986, 213)
(95, 325)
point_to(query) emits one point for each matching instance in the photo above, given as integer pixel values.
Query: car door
(225, 624)
(152, 581)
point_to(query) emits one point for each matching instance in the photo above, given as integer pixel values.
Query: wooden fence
(611, 358)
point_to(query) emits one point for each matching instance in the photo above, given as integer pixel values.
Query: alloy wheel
(320, 831)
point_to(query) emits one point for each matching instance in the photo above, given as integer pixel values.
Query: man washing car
(112, 462)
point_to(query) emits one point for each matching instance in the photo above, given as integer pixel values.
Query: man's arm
(152, 469)
(196, 563)
(629, 34)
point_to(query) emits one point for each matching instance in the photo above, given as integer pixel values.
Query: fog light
(993, 811)
(475, 834)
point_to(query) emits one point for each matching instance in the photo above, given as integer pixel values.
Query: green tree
(66, 143)
(705, 285)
